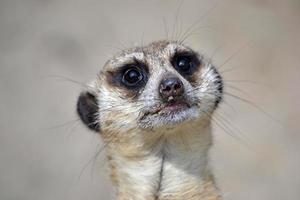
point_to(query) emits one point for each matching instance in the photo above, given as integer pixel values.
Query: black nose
(171, 88)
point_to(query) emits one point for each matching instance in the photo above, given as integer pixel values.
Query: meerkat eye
(185, 64)
(132, 76)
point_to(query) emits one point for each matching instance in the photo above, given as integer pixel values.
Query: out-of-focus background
(49, 47)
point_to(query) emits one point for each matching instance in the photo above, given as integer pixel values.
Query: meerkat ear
(87, 109)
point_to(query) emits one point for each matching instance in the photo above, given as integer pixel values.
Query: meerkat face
(160, 85)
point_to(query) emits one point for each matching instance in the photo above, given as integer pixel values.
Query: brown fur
(167, 162)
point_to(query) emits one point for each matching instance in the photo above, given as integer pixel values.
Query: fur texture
(156, 154)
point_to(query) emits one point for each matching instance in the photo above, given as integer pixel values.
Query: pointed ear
(87, 109)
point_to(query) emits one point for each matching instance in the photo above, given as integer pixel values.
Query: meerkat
(152, 106)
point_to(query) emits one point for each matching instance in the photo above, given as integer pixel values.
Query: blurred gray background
(49, 47)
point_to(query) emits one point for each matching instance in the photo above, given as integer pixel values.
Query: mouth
(166, 114)
(170, 108)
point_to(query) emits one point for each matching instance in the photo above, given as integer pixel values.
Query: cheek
(119, 117)
(210, 93)
(150, 94)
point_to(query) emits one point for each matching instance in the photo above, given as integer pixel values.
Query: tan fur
(163, 163)
(148, 154)
(207, 191)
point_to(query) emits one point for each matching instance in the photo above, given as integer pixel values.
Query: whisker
(213, 54)
(255, 106)
(238, 90)
(106, 142)
(62, 125)
(238, 130)
(181, 41)
(90, 160)
(233, 55)
(175, 26)
(249, 82)
(226, 129)
(202, 17)
(165, 28)
(64, 78)
(229, 69)
(229, 105)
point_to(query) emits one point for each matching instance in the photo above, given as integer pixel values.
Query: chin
(169, 119)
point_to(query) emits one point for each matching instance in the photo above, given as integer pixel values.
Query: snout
(171, 89)
(174, 106)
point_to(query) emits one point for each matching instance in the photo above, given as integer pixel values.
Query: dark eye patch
(131, 77)
(186, 63)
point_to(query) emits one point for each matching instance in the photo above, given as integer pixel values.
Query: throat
(160, 178)
(176, 168)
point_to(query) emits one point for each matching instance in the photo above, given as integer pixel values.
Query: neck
(171, 166)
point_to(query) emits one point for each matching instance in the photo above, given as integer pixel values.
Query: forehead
(156, 50)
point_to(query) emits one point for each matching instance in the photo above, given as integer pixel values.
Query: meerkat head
(163, 84)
